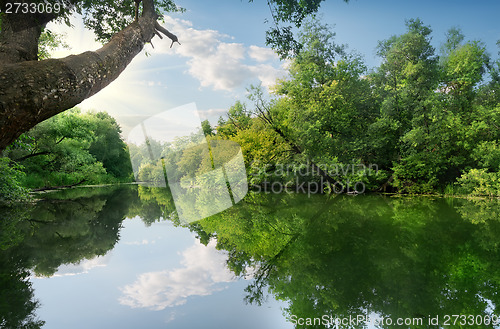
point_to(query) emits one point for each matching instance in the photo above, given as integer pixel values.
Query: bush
(480, 182)
(415, 175)
(10, 187)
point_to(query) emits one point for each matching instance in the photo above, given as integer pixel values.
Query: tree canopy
(68, 149)
(426, 119)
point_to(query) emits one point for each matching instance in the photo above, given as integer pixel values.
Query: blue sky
(223, 50)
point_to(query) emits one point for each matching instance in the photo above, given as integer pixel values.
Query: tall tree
(406, 82)
(326, 102)
(407, 75)
(280, 36)
(108, 147)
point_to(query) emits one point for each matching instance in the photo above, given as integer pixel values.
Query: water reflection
(203, 272)
(37, 239)
(17, 301)
(337, 257)
(344, 257)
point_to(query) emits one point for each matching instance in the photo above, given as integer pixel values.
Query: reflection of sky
(156, 277)
(203, 269)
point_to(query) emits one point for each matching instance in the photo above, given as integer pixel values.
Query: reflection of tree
(66, 228)
(17, 302)
(362, 255)
(70, 230)
(10, 219)
(155, 204)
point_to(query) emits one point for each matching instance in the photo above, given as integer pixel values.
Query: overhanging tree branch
(31, 155)
(32, 91)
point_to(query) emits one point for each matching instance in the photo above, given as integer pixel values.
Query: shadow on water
(326, 257)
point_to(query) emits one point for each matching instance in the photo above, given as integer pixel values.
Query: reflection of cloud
(217, 64)
(204, 269)
(138, 243)
(83, 267)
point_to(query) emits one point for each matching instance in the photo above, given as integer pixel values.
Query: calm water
(117, 257)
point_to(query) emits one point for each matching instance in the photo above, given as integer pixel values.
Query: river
(119, 257)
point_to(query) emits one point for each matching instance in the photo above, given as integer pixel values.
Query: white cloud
(267, 74)
(218, 64)
(261, 54)
(213, 58)
(223, 69)
(171, 317)
(202, 273)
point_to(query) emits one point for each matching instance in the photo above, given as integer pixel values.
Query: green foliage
(480, 182)
(416, 174)
(71, 148)
(12, 216)
(106, 17)
(150, 173)
(48, 42)
(109, 148)
(11, 175)
(335, 256)
(207, 128)
(321, 114)
(487, 155)
(326, 106)
(41, 236)
(238, 119)
(281, 37)
(17, 302)
(454, 38)
(405, 82)
(464, 68)
(260, 144)
(423, 119)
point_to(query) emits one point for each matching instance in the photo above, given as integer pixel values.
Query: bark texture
(32, 91)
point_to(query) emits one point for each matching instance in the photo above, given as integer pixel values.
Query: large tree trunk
(32, 91)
